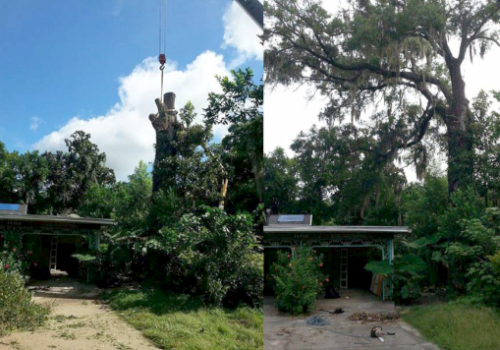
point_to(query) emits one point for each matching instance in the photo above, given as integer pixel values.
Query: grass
(65, 334)
(15, 345)
(177, 321)
(62, 318)
(457, 326)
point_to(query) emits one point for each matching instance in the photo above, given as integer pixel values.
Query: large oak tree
(398, 51)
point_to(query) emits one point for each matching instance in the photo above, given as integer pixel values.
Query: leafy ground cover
(457, 326)
(178, 321)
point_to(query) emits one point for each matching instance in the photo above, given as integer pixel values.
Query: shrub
(406, 272)
(17, 310)
(478, 251)
(250, 282)
(211, 254)
(11, 256)
(217, 255)
(298, 280)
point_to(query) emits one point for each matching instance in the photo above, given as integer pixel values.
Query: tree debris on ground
(317, 321)
(374, 317)
(338, 310)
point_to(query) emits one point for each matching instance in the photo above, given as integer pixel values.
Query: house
(345, 249)
(46, 242)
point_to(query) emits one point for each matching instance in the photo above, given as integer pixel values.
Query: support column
(391, 258)
(384, 257)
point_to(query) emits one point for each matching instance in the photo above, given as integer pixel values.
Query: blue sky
(68, 64)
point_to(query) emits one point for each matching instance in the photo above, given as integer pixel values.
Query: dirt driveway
(283, 332)
(77, 322)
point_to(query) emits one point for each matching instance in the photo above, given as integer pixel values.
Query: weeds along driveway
(284, 332)
(77, 322)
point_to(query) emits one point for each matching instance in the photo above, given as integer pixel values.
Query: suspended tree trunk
(166, 128)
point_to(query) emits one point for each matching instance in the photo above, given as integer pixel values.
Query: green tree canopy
(396, 51)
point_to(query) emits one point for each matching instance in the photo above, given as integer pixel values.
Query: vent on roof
(13, 208)
(287, 220)
(290, 218)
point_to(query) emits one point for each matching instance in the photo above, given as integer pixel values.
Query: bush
(298, 280)
(210, 254)
(478, 251)
(11, 257)
(17, 310)
(250, 283)
(406, 272)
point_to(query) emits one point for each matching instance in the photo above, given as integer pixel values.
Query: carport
(49, 241)
(342, 245)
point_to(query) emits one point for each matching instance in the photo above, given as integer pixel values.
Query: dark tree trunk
(460, 141)
(460, 158)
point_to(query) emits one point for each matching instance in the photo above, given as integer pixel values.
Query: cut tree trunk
(166, 127)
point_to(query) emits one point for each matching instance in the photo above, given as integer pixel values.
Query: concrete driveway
(284, 332)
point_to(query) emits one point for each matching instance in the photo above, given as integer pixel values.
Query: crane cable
(162, 32)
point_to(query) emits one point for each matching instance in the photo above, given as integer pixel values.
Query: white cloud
(125, 132)
(482, 73)
(241, 33)
(287, 112)
(35, 123)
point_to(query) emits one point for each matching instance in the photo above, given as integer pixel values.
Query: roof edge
(339, 229)
(53, 218)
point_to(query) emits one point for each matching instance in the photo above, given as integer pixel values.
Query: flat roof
(337, 229)
(53, 219)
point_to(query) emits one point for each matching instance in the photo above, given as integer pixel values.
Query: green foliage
(133, 202)
(280, 182)
(99, 201)
(465, 205)
(425, 203)
(211, 253)
(405, 273)
(478, 251)
(379, 267)
(17, 310)
(12, 258)
(342, 178)
(298, 280)
(54, 183)
(487, 133)
(31, 173)
(250, 281)
(126, 202)
(219, 246)
(241, 106)
(388, 51)
(84, 257)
